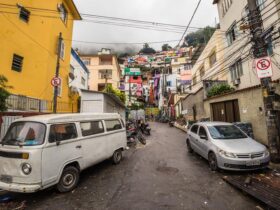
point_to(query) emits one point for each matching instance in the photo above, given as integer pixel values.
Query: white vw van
(42, 151)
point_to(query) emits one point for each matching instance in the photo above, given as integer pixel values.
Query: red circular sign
(263, 64)
(56, 81)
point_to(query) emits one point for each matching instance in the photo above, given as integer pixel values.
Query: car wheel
(69, 179)
(190, 150)
(213, 161)
(117, 157)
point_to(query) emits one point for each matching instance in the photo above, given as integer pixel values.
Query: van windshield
(25, 134)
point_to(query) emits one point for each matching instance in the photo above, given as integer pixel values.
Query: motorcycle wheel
(141, 138)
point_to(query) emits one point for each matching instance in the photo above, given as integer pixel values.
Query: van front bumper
(22, 188)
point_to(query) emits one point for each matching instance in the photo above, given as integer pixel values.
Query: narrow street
(160, 175)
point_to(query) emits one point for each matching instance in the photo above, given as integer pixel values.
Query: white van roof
(60, 118)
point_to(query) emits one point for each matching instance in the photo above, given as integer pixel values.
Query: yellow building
(29, 32)
(104, 68)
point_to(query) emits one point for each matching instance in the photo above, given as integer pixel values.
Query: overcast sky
(165, 11)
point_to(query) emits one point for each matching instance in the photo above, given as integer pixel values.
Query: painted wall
(36, 41)
(249, 112)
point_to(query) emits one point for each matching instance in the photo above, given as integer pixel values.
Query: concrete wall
(197, 101)
(250, 102)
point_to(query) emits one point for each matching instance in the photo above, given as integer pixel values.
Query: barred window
(17, 63)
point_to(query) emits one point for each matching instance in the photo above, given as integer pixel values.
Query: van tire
(117, 157)
(69, 179)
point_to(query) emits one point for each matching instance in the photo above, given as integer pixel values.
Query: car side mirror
(204, 137)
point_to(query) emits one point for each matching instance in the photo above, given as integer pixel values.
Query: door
(194, 138)
(63, 147)
(203, 143)
(117, 135)
(94, 142)
(226, 111)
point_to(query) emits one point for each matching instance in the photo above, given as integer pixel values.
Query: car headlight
(26, 168)
(227, 154)
(266, 153)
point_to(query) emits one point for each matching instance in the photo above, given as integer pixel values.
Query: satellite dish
(71, 76)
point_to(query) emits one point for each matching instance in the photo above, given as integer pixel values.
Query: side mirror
(204, 137)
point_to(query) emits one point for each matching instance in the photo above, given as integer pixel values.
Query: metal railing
(28, 104)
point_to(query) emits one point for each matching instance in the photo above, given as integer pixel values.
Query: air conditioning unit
(236, 82)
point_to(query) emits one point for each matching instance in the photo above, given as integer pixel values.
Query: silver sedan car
(225, 146)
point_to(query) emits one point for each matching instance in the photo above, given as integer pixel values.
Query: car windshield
(25, 134)
(226, 132)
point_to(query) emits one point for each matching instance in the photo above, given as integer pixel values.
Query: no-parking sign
(264, 67)
(56, 81)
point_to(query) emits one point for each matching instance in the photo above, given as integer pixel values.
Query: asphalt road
(160, 175)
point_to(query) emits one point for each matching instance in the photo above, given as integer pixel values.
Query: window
(62, 132)
(106, 61)
(223, 132)
(213, 59)
(168, 83)
(105, 74)
(92, 128)
(62, 50)
(194, 80)
(201, 71)
(225, 6)
(17, 63)
(260, 4)
(63, 12)
(25, 133)
(231, 34)
(236, 70)
(72, 69)
(83, 81)
(86, 61)
(194, 129)
(187, 67)
(24, 14)
(202, 131)
(113, 125)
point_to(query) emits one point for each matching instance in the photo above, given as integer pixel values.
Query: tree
(4, 93)
(201, 36)
(166, 47)
(109, 89)
(147, 49)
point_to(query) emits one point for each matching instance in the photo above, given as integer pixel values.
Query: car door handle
(79, 146)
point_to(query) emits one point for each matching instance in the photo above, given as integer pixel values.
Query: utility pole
(57, 73)
(259, 51)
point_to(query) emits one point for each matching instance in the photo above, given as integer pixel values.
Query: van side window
(61, 132)
(113, 125)
(194, 129)
(91, 128)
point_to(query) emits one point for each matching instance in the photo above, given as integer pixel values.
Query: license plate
(6, 178)
(253, 163)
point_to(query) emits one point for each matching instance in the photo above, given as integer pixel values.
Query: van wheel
(69, 179)
(117, 157)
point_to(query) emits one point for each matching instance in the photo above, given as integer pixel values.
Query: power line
(189, 22)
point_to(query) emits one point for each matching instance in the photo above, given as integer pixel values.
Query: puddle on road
(167, 170)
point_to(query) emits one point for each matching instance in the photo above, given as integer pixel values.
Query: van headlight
(26, 168)
(227, 154)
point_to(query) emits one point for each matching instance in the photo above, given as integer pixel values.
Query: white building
(79, 75)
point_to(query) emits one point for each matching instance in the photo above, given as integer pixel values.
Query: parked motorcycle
(134, 133)
(145, 128)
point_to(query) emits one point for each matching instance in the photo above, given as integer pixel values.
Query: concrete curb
(180, 127)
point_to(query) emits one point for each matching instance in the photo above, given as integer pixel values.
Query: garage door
(226, 111)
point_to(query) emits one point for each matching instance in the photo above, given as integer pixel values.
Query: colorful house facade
(29, 34)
